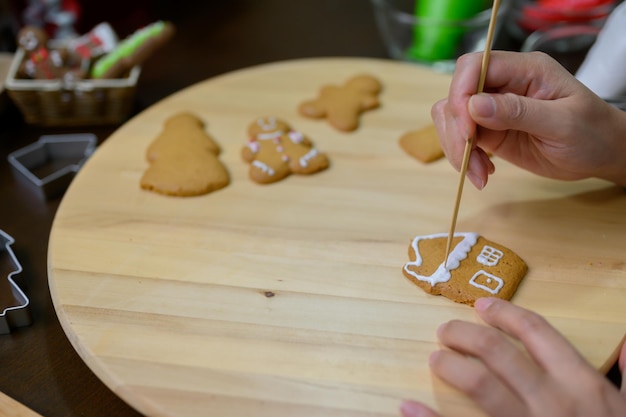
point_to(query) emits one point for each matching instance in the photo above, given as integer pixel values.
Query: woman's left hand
(549, 378)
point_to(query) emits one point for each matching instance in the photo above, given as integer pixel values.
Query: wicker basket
(87, 102)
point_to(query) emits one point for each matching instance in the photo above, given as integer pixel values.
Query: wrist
(615, 170)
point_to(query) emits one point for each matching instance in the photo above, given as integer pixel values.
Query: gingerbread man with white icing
(275, 150)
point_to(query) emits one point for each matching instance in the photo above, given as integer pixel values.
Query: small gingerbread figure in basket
(43, 63)
(40, 62)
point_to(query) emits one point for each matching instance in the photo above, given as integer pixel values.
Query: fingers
(453, 142)
(463, 86)
(415, 409)
(513, 112)
(498, 374)
(545, 344)
(479, 168)
(505, 360)
(452, 139)
(478, 382)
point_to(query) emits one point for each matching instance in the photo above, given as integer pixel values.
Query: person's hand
(551, 379)
(534, 114)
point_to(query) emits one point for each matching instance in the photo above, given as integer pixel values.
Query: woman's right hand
(534, 114)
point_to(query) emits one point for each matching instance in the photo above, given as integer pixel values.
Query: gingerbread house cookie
(476, 267)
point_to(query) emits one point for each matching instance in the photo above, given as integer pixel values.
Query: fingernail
(478, 183)
(411, 409)
(484, 303)
(482, 105)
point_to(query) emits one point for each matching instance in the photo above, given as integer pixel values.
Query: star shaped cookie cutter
(15, 315)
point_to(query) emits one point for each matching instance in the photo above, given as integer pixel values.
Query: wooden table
(39, 366)
(289, 299)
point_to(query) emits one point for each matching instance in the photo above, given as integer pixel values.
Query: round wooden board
(288, 299)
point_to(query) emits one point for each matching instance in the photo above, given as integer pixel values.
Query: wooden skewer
(470, 142)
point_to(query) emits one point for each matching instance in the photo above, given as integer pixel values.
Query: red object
(85, 49)
(41, 61)
(545, 13)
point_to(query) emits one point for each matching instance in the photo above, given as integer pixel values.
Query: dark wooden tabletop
(38, 366)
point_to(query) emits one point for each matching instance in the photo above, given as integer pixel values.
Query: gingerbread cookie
(184, 160)
(342, 105)
(422, 144)
(275, 151)
(476, 267)
(40, 62)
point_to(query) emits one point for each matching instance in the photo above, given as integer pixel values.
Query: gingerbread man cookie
(342, 105)
(184, 160)
(275, 151)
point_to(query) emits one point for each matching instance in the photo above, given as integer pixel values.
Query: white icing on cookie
(263, 167)
(459, 253)
(267, 124)
(304, 160)
(269, 136)
(488, 279)
(489, 256)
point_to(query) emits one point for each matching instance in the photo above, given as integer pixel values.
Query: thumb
(510, 111)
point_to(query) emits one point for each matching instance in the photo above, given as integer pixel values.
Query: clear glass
(564, 30)
(434, 42)
(568, 44)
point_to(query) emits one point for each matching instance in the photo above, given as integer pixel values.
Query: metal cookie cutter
(51, 163)
(14, 315)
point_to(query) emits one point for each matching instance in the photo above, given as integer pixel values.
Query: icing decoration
(488, 280)
(275, 136)
(304, 160)
(254, 146)
(263, 167)
(267, 124)
(458, 254)
(489, 256)
(295, 136)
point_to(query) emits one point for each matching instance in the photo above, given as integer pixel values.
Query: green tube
(438, 32)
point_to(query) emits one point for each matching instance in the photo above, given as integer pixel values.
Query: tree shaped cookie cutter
(16, 315)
